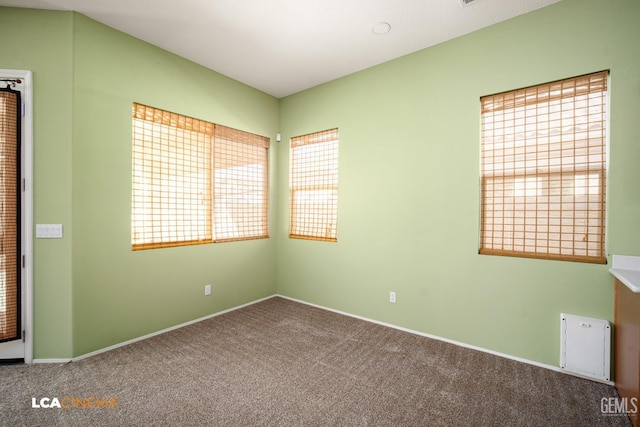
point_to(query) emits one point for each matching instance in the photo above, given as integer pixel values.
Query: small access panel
(585, 346)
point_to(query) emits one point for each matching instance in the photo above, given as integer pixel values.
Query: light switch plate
(49, 231)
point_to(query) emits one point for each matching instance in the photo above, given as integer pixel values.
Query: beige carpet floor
(282, 363)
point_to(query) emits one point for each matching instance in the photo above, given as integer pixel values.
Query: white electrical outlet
(207, 289)
(392, 297)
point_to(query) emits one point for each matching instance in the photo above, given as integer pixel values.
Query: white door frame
(27, 206)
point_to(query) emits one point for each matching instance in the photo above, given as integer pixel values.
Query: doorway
(15, 216)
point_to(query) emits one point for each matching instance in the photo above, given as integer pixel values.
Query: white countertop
(627, 270)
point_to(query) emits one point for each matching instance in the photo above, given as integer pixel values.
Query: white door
(15, 216)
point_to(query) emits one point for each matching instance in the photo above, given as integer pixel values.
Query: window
(240, 185)
(543, 170)
(314, 186)
(195, 182)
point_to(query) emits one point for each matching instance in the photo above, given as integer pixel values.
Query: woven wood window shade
(314, 186)
(543, 170)
(171, 198)
(240, 185)
(9, 215)
(195, 182)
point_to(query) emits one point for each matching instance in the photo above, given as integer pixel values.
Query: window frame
(161, 142)
(252, 146)
(318, 174)
(559, 182)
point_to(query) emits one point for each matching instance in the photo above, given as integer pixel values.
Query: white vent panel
(585, 346)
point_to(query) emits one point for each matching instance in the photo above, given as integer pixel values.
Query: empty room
(320, 212)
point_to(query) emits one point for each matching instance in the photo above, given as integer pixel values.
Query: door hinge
(24, 336)
(24, 109)
(24, 185)
(24, 261)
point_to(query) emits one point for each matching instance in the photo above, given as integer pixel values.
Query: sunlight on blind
(314, 186)
(195, 182)
(240, 185)
(543, 170)
(171, 179)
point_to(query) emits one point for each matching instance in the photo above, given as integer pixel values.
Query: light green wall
(119, 294)
(41, 41)
(409, 183)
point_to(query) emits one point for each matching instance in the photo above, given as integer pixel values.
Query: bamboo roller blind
(543, 170)
(314, 186)
(195, 182)
(9, 215)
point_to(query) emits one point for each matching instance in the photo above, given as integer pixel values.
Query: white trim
(27, 227)
(51, 360)
(153, 334)
(458, 343)
(389, 325)
(27, 207)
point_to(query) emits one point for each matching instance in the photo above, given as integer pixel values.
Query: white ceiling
(284, 46)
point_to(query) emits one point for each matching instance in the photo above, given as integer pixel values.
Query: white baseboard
(389, 325)
(458, 343)
(50, 360)
(153, 334)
